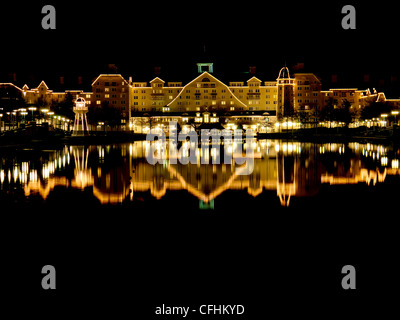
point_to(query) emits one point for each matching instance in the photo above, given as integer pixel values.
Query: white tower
(80, 124)
(285, 94)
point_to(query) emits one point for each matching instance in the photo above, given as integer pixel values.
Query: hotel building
(43, 96)
(252, 104)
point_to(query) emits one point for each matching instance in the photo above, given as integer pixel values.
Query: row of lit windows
(112, 102)
(343, 94)
(251, 102)
(205, 85)
(256, 90)
(108, 90)
(112, 96)
(315, 94)
(166, 109)
(204, 97)
(107, 83)
(198, 97)
(199, 103)
(307, 101)
(306, 82)
(203, 91)
(155, 91)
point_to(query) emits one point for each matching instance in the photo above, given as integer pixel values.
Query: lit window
(106, 96)
(98, 102)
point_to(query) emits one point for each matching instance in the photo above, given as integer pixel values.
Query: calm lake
(114, 225)
(286, 174)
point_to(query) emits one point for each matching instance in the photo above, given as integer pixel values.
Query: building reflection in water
(116, 173)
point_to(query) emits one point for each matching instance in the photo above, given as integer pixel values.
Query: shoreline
(54, 139)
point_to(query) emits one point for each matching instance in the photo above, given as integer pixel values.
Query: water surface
(286, 174)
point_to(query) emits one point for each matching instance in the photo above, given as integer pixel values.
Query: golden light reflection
(116, 173)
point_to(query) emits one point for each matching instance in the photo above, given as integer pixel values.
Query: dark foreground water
(126, 236)
(285, 174)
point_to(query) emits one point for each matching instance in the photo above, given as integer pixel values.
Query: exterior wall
(88, 96)
(154, 97)
(112, 89)
(357, 98)
(307, 89)
(285, 98)
(42, 95)
(206, 93)
(255, 95)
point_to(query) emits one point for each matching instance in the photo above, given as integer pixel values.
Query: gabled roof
(199, 78)
(9, 84)
(108, 75)
(157, 80)
(43, 84)
(307, 74)
(254, 79)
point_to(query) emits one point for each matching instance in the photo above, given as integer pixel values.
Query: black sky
(137, 36)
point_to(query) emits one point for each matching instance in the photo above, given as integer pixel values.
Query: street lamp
(395, 113)
(384, 116)
(51, 113)
(45, 113)
(32, 109)
(14, 113)
(24, 113)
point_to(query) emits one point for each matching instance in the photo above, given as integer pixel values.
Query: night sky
(174, 35)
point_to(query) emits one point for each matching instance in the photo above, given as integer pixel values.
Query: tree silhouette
(327, 113)
(65, 107)
(104, 113)
(375, 109)
(343, 114)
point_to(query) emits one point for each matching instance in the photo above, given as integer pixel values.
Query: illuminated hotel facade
(252, 104)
